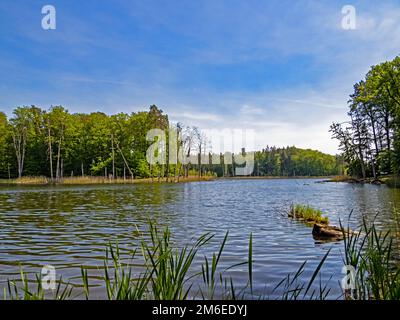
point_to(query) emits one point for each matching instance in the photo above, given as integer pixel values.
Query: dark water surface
(70, 226)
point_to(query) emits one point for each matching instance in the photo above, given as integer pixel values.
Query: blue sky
(282, 68)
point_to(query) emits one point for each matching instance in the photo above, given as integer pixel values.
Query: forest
(290, 162)
(370, 139)
(55, 143)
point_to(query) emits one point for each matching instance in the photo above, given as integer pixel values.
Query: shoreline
(274, 177)
(390, 181)
(91, 180)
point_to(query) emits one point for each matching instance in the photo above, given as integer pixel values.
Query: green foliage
(55, 143)
(5, 144)
(292, 161)
(370, 140)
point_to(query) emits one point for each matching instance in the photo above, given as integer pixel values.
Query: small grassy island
(307, 214)
(321, 228)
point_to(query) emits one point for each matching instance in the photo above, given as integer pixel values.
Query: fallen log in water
(332, 233)
(321, 228)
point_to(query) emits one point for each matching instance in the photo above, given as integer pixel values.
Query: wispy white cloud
(195, 117)
(247, 110)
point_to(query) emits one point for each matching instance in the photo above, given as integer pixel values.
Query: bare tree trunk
(113, 156)
(62, 169)
(221, 160)
(58, 161)
(233, 165)
(373, 168)
(376, 153)
(126, 162)
(58, 170)
(387, 134)
(360, 155)
(19, 146)
(175, 168)
(167, 162)
(199, 163)
(50, 151)
(375, 138)
(187, 164)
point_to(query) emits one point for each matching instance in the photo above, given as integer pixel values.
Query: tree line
(55, 143)
(288, 161)
(292, 161)
(370, 140)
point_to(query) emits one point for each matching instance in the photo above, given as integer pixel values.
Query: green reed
(23, 291)
(373, 256)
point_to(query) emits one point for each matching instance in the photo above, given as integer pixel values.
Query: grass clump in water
(307, 213)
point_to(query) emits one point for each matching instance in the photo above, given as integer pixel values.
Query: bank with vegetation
(370, 139)
(87, 180)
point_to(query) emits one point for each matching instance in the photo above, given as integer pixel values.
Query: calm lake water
(70, 226)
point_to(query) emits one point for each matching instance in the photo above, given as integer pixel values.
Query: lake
(70, 226)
